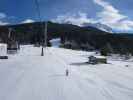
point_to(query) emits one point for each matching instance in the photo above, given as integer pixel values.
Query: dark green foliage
(104, 51)
(49, 44)
(34, 33)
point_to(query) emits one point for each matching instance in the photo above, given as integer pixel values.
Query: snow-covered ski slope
(28, 76)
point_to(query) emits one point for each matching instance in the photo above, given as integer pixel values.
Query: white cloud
(2, 15)
(76, 19)
(109, 16)
(112, 17)
(3, 23)
(125, 25)
(28, 21)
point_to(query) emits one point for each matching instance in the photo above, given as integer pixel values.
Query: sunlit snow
(29, 76)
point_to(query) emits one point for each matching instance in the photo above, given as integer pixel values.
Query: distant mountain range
(99, 26)
(32, 33)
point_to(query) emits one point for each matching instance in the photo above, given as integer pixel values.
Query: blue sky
(115, 13)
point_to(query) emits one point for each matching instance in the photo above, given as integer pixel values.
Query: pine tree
(106, 49)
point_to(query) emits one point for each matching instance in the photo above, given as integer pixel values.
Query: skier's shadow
(79, 63)
(57, 75)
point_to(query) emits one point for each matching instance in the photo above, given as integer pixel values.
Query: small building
(97, 60)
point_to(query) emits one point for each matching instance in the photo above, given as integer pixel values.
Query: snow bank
(55, 42)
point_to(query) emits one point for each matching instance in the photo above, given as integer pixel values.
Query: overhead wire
(38, 9)
(44, 40)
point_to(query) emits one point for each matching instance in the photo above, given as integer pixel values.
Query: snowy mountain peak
(99, 26)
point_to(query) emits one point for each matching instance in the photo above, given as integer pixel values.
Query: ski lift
(38, 9)
(3, 53)
(12, 44)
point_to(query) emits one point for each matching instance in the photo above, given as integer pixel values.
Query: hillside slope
(83, 36)
(34, 32)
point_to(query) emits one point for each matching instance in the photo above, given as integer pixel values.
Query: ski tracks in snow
(28, 76)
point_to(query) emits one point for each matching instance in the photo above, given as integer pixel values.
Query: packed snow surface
(29, 76)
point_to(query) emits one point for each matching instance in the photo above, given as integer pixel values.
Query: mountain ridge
(32, 33)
